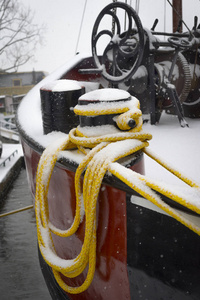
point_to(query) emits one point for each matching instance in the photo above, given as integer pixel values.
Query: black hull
(54, 289)
(163, 256)
(163, 260)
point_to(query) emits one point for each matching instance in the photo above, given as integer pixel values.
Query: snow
(62, 85)
(48, 154)
(72, 155)
(115, 149)
(97, 130)
(46, 140)
(8, 149)
(179, 146)
(49, 252)
(100, 107)
(106, 95)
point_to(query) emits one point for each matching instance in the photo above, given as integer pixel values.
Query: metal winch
(108, 107)
(65, 106)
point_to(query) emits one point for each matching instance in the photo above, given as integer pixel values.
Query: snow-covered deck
(176, 145)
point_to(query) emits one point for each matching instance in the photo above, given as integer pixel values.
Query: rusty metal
(177, 15)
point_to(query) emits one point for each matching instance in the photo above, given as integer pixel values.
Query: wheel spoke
(103, 32)
(123, 54)
(116, 19)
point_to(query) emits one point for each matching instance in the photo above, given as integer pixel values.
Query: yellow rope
(144, 187)
(101, 154)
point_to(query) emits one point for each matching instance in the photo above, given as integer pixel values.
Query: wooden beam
(177, 14)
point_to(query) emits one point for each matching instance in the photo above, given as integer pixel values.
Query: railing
(9, 130)
(3, 164)
(7, 125)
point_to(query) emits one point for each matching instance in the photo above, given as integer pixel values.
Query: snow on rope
(101, 155)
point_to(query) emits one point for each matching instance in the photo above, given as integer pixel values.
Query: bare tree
(18, 35)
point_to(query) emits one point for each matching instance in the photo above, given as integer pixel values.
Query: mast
(177, 14)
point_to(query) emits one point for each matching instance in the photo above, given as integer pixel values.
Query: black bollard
(57, 101)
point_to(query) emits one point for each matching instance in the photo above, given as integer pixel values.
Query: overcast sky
(63, 19)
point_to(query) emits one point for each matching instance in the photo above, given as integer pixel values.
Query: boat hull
(111, 276)
(162, 260)
(141, 252)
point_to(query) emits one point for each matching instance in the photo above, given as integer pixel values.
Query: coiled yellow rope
(102, 152)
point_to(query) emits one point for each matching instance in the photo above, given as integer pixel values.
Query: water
(20, 274)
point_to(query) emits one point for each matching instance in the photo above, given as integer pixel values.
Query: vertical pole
(113, 20)
(177, 14)
(152, 107)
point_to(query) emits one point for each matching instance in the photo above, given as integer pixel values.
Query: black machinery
(163, 75)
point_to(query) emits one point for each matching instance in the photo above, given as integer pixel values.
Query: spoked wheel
(124, 51)
(180, 43)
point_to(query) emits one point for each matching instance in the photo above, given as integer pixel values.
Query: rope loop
(101, 155)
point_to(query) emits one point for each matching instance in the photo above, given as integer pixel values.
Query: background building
(13, 87)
